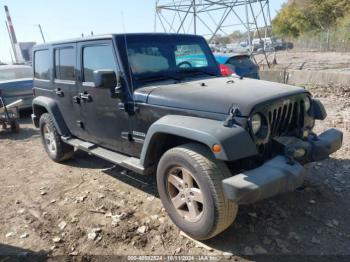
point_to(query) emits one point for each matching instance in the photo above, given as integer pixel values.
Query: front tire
(57, 150)
(189, 184)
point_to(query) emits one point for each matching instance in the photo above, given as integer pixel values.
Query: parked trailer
(9, 114)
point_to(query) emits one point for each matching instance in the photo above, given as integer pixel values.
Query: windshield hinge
(230, 120)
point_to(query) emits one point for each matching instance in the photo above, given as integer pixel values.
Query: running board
(130, 163)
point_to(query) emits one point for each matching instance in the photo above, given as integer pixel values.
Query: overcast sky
(62, 19)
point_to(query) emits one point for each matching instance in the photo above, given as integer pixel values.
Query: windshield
(15, 73)
(169, 58)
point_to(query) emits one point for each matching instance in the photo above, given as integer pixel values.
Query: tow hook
(293, 153)
(289, 153)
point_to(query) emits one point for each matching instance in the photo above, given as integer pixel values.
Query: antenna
(41, 32)
(127, 56)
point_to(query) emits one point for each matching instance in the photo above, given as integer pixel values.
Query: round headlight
(307, 103)
(256, 123)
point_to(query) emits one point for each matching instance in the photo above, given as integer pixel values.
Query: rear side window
(97, 58)
(42, 64)
(65, 64)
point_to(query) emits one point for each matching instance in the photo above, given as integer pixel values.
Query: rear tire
(189, 184)
(57, 150)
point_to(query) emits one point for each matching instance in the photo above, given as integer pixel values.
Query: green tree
(291, 21)
(300, 16)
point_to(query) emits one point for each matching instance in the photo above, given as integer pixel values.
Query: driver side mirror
(105, 79)
(108, 79)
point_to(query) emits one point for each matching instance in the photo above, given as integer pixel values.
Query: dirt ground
(329, 61)
(89, 207)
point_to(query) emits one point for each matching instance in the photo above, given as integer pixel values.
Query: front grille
(286, 118)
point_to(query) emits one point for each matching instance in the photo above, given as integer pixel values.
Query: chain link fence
(331, 40)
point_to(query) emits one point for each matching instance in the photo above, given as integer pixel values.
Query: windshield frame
(127, 40)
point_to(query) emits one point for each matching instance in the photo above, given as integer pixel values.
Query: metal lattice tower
(214, 18)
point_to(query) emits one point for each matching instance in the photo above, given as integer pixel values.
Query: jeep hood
(216, 95)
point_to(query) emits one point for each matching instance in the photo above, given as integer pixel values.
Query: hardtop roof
(106, 36)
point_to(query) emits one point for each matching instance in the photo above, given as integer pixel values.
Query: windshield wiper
(158, 78)
(197, 71)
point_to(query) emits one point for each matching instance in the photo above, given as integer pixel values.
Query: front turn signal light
(216, 148)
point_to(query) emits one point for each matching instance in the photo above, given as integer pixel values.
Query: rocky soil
(299, 60)
(88, 207)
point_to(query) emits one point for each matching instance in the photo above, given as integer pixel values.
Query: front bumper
(280, 175)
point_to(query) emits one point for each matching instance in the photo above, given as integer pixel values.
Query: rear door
(103, 120)
(65, 86)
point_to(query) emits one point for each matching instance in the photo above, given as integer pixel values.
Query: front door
(103, 121)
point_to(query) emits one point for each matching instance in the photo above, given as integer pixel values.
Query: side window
(42, 64)
(96, 58)
(65, 63)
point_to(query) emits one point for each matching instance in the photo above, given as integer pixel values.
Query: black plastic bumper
(324, 145)
(279, 175)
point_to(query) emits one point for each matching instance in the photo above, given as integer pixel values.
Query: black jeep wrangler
(156, 103)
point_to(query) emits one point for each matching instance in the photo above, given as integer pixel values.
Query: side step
(130, 163)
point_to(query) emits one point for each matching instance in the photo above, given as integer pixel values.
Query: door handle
(59, 92)
(85, 97)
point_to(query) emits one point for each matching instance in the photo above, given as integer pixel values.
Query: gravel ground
(88, 207)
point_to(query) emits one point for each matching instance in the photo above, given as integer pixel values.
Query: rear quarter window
(42, 64)
(65, 64)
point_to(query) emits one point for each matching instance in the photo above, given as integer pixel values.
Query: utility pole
(195, 17)
(11, 56)
(248, 27)
(12, 45)
(41, 32)
(12, 34)
(155, 16)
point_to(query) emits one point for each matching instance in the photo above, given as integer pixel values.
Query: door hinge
(128, 107)
(80, 124)
(127, 136)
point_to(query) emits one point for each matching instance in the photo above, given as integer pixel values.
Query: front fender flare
(236, 143)
(52, 108)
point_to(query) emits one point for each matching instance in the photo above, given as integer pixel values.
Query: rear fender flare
(52, 108)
